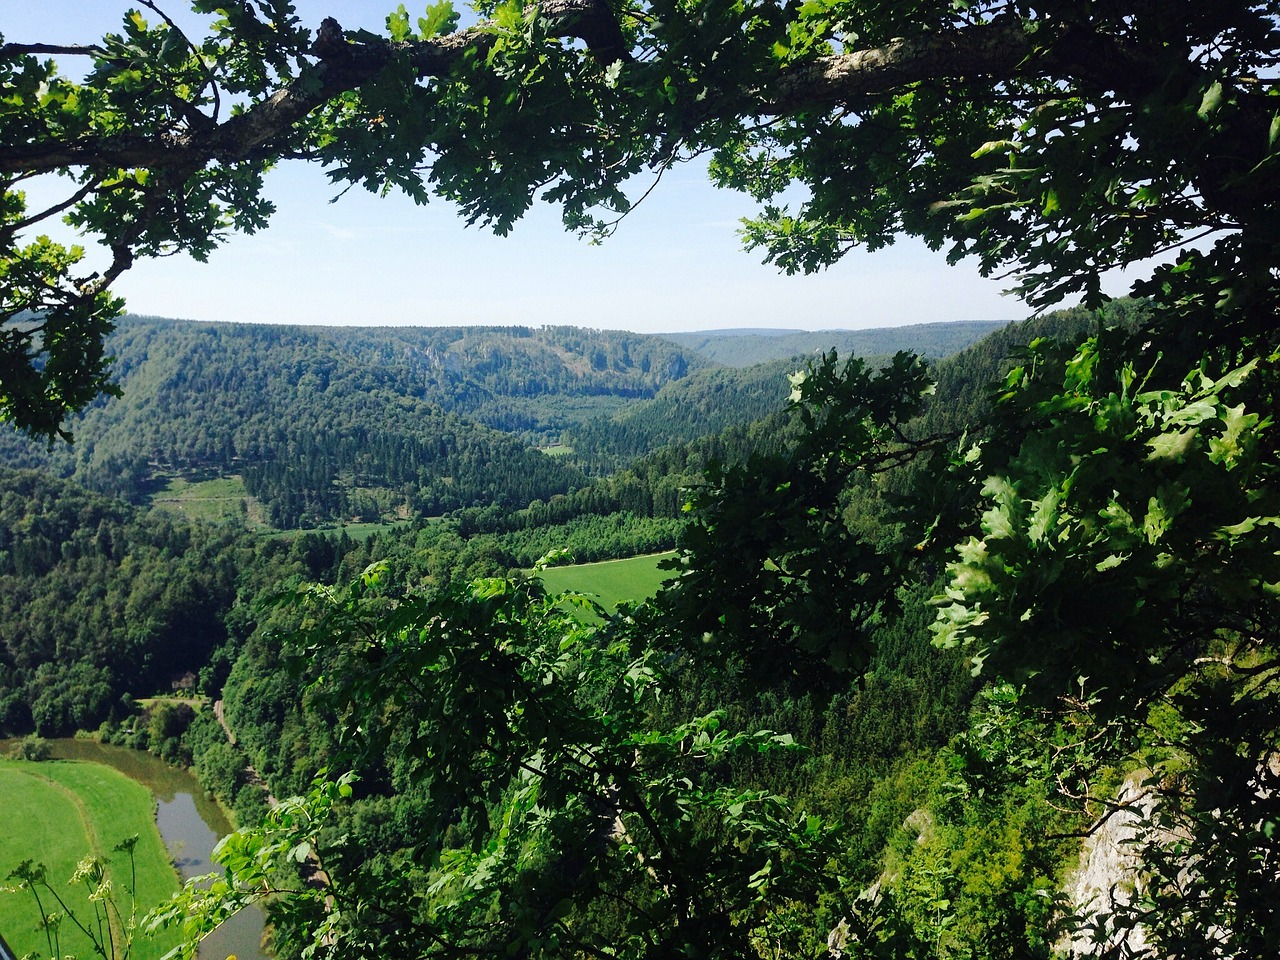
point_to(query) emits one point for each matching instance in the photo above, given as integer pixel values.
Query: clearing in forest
(611, 581)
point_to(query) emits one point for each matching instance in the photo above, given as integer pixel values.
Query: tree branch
(19, 225)
(342, 65)
(987, 50)
(1004, 49)
(9, 50)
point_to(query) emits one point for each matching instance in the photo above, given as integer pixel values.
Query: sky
(675, 264)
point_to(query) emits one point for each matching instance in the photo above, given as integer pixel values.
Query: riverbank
(57, 812)
(163, 803)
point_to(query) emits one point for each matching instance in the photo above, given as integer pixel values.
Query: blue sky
(675, 264)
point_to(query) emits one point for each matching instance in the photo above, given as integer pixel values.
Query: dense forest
(369, 423)
(96, 587)
(326, 424)
(97, 590)
(98, 601)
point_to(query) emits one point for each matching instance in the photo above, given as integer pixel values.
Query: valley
(308, 552)
(947, 641)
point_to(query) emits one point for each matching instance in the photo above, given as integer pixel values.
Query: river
(190, 825)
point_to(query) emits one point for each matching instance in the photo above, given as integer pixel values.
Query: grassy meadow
(610, 581)
(216, 499)
(363, 531)
(223, 498)
(59, 811)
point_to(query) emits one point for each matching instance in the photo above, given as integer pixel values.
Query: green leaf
(1044, 517)
(996, 146)
(1211, 100)
(398, 25)
(1171, 446)
(441, 18)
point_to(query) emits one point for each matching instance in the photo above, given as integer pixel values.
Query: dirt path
(312, 871)
(221, 716)
(252, 777)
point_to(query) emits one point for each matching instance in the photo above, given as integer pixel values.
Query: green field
(363, 531)
(611, 581)
(57, 812)
(215, 499)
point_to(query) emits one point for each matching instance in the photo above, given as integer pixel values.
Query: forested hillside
(108, 585)
(99, 600)
(703, 404)
(326, 424)
(95, 590)
(331, 423)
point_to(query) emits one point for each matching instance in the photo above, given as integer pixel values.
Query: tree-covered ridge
(325, 424)
(967, 357)
(496, 375)
(744, 348)
(332, 423)
(704, 404)
(508, 378)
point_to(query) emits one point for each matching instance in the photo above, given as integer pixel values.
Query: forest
(935, 635)
(96, 585)
(327, 424)
(324, 425)
(106, 601)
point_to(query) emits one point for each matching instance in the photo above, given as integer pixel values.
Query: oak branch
(999, 49)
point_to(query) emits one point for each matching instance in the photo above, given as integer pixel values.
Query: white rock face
(1109, 872)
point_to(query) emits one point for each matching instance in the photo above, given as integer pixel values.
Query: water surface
(190, 824)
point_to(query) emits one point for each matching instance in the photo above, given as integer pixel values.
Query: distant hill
(747, 347)
(324, 423)
(745, 389)
(317, 424)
